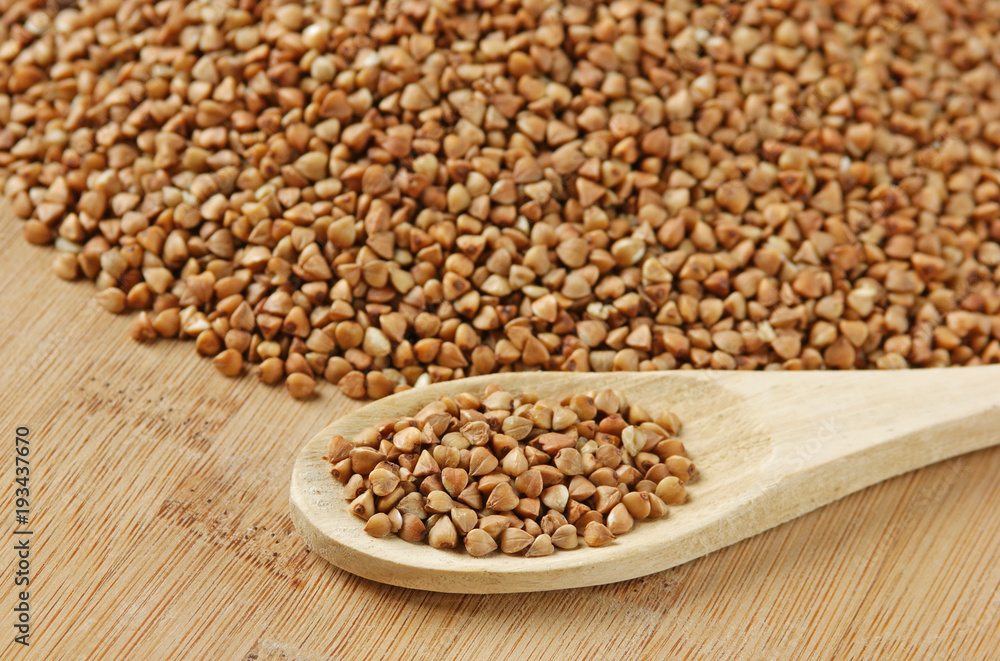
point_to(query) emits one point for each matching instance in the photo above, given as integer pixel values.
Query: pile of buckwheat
(524, 474)
(398, 192)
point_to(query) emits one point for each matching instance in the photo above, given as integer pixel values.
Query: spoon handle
(854, 429)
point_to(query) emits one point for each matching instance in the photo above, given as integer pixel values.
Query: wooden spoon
(769, 446)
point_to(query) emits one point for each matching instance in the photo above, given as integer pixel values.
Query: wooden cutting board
(159, 505)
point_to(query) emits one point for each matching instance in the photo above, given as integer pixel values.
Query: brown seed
(733, 196)
(671, 490)
(455, 480)
(517, 427)
(829, 199)
(65, 266)
(442, 534)
(645, 461)
(551, 443)
(555, 497)
(540, 547)
(552, 521)
(633, 440)
(375, 180)
(379, 525)
(608, 402)
(514, 462)
(619, 520)
(365, 459)
(364, 505)
(646, 486)
(500, 400)
(656, 473)
(395, 519)
(464, 518)
(388, 502)
(415, 98)
(514, 541)
(589, 192)
(270, 370)
(413, 503)
(528, 508)
(628, 476)
(597, 534)
(312, 166)
(482, 461)
(583, 406)
(113, 300)
(36, 232)
(341, 471)
(446, 457)
(338, 448)
(502, 444)
(426, 465)
(383, 481)
(407, 439)
(438, 502)
(637, 503)
(412, 528)
(565, 537)
(502, 498)
(141, 328)
(580, 488)
(606, 498)
(569, 461)
(378, 385)
(300, 385)
(527, 170)
(604, 477)
(455, 440)
(670, 422)
(229, 362)
(529, 483)
(479, 543)
(489, 482)
(669, 448)
(494, 524)
(354, 486)
(477, 433)
(471, 496)
(352, 384)
(580, 516)
(681, 467)
(551, 475)
(657, 508)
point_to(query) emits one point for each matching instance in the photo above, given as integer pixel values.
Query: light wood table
(159, 503)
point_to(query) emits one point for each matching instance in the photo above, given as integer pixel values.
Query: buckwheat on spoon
(514, 472)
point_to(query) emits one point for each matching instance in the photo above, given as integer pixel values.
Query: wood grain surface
(160, 511)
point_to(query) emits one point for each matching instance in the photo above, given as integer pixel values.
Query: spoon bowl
(769, 447)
